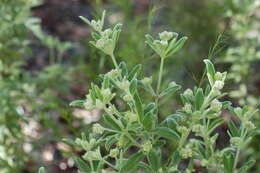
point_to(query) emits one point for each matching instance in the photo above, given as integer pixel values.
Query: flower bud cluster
(92, 155)
(186, 152)
(114, 153)
(183, 130)
(131, 117)
(113, 74)
(187, 108)
(97, 128)
(95, 103)
(147, 81)
(215, 105)
(147, 146)
(86, 145)
(198, 129)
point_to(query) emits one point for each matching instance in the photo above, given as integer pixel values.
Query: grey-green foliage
(244, 28)
(14, 91)
(132, 138)
(55, 47)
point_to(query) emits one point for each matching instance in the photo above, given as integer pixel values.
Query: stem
(109, 164)
(114, 60)
(160, 76)
(236, 158)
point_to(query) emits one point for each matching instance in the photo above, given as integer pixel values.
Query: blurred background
(46, 62)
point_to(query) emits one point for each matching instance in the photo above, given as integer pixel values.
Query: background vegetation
(46, 62)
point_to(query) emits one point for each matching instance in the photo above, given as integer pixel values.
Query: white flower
(165, 35)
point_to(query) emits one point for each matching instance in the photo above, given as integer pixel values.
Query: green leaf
(171, 123)
(95, 36)
(132, 162)
(175, 47)
(167, 133)
(110, 140)
(214, 124)
(116, 32)
(83, 166)
(139, 106)
(69, 142)
(79, 103)
(210, 68)
(229, 161)
(176, 158)
(149, 108)
(85, 20)
(98, 92)
(148, 121)
(133, 87)
(169, 90)
(106, 82)
(111, 122)
(233, 129)
(41, 170)
(123, 67)
(135, 72)
(149, 38)
(199, 98)
(154, 159)
(246, 166)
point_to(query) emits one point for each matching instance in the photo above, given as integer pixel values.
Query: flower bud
(121, 142)
(99, 104)
(107, 33)
(127, 98)
(249, 125)
(197, 128)
(183, 130)
(89, 105)
(114, 153)
(147, 81)
(106, 92)
(111, 110)
(218, 76)
(114, 73)
(172, 84)
(147, 146)
(98, 129)
(131, 117)
(188, 93)
(124, 85)
(187, 108)
(218, 85)
(164, 43)
(186, 152)
(204, 162)
(215, 105)
(92, 155)
(97, 25)
(165, 35)
(238, 111)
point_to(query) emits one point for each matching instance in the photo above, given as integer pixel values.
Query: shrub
(136, 138)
